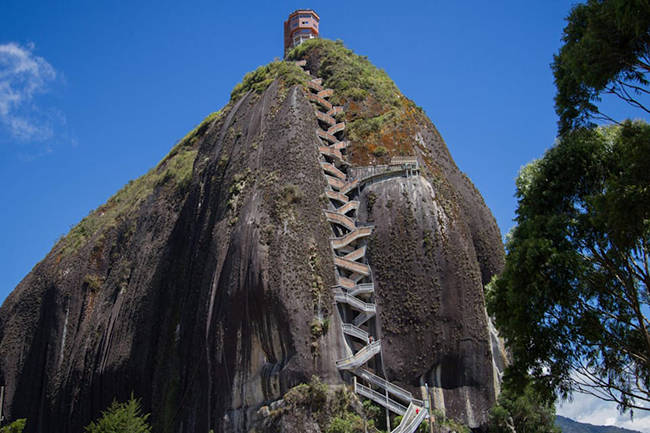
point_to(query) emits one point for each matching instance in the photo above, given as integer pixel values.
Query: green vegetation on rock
(443, 424)
(174, 171)
(335, 409)
(261, 78)
(15, 427)
(378, 116)
(352, 77)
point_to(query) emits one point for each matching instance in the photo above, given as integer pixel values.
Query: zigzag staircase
(355, 289)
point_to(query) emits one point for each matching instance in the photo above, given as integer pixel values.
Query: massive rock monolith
(195, 288)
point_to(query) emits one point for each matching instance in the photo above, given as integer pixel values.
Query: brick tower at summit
(301, 25)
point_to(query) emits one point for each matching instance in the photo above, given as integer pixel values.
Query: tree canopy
(521, 412)
(606, 51)
(572, 302)
(124, 417)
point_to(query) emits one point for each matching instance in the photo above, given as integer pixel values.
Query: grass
(174, 172)
(381, 122)
(260, 79)
(352, 77)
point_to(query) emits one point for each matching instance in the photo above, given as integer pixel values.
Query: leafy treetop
(606, 51)
(572, 301)
(124, 417)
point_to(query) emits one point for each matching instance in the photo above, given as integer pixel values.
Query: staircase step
(335, 110)
(320, 101)
(356, 267)
(346, 283)
(334, 182)
(326, 93)
(356, 332)
(337, 218)
(336, 128)
(412, 419)
(331, 169)
(348, 207)
(357, 254)
(325, 118)
(359, 358)
(326, 136)
(363, 318)
(386, 402)
(359, 233)
(312, 85)
(357, 304)
(350, 186)
(361, 289)
(333, 153)
(395, 390)
(335, 195)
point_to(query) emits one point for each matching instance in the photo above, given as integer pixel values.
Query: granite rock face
(200, 299)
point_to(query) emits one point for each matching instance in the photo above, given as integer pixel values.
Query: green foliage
(124, 417)
(347, 423)
(574, 291)
(375, 414)
(447, 423)
(15, 427)
(174, 171)
(380, 151)
(93, 281)
(351, 76)
(261, 78)
(291, 194)
(239, 182)
(319, 327)
(606, 51)
(525, 413)
(312, 394)
(334, 409)
(359, 128)
(371, 98)
(285, 201)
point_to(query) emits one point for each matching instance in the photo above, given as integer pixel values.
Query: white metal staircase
(355, 289)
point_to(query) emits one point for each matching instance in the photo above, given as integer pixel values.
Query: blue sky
(93, 94)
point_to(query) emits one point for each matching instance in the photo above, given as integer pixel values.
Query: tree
(606, 51)
(572, 302)
(15, 427)
(124, 417)
(521, 412)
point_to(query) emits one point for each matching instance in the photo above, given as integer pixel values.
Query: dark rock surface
(432, 252)
(201, 301)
